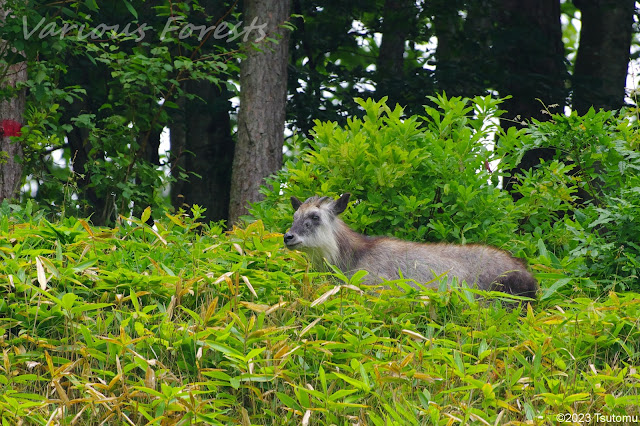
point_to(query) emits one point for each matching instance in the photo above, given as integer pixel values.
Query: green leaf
(550, 291)
(353, 382)
(134, 299)
(254, 352)
(84, 265)
(68, 300)
(235, 382)
(577, 397)
(130, 8)
(341, 394)
(146, 214)
(92, 5)
(323, 379)
(86, 307)
(225, 349)
(288, 401)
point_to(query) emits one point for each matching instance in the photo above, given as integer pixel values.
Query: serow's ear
(295, 203)
(340, 204)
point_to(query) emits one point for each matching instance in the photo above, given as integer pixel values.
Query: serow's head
(314, 222)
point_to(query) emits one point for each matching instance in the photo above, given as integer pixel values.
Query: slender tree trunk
(397, 16)
(180, 169)
(82, 72)
(263, 82)
(95, 206)
(531, 57)
(201, 139)
(149, 154)
(530, 66)
(464, 60)
(448, 26)
(202, 142)
(603, 55)
(11, 116)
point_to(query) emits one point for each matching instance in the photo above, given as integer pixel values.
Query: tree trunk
(11, 115)
(531, 56)
(263, 82)
(95, 206)
(530, 66)
(390, 78)
(448, 27)
(600, 72)
(203, 146)
(464, 60)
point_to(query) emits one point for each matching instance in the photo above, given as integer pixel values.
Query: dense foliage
(103, 84)
(174, 321)
(434, 177)
(105, 79)
(182, 324)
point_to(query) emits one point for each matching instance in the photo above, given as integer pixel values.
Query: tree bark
(11, 116)
(530, 66)
(531, 57)
(600, 73)
(94, 205)
(203, 146)
(263, 82)
(450, 60)
(465, 62)
(397, 16)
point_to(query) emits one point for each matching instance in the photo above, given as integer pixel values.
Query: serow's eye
(315, 217)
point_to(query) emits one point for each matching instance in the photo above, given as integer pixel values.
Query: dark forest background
(104, 101)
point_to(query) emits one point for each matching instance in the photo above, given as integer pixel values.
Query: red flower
(10, 128)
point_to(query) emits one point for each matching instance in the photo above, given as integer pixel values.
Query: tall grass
(185, 324)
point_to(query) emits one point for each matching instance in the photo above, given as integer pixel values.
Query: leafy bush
(430, 178)
(423, 178)
(99, 96)
(156, 325)
(585, 202)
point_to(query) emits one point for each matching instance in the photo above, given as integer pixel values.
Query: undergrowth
(182, 323)
(438, 177)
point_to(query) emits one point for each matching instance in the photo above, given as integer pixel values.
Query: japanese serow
(318, 231)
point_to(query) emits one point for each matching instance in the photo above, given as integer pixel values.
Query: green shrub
(423, 178)
(585, 203)
(427, 178)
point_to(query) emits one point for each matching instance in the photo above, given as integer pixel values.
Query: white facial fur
(315, 236)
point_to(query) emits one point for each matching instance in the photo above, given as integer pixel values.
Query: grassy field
(187, 324)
